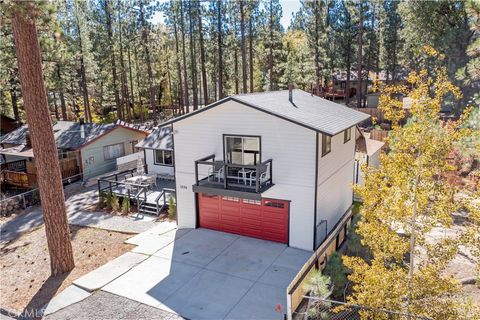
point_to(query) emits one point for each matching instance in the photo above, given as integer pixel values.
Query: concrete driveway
(202, 274)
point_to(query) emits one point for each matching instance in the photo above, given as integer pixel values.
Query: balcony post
(257, 180)
(196, 173)
(271, 176)
(225, 175)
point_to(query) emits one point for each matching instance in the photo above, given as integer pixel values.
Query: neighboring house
(87, 148)
(367, 151)
(274, 165)
(7, 124)
(158, 151)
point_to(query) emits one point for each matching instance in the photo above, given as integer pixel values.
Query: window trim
(110, 145)
(241, 136)
(159, 163)
(324, 140)
(349, 130)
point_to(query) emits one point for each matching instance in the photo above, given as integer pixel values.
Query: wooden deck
(151, 199)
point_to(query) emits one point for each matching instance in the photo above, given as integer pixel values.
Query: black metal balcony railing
(219, 174)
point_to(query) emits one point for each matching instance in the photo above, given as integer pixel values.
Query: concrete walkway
(78, 199)
(200, 274)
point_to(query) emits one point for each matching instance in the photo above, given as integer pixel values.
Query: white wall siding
(335, 177)
(156, 168)
(291, 147)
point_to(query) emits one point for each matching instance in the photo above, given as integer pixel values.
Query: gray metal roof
(68, 134)
(306, 110)
(160, 138)
(76, 135)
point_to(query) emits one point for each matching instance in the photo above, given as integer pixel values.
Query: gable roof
(160, 138)
(68, 134)
(306, 110)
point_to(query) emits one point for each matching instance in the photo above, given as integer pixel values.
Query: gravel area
(25, 281)
(103, 305)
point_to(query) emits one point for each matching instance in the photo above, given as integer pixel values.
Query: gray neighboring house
(87, 148)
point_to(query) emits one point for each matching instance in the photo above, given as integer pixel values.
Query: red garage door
(266, 219)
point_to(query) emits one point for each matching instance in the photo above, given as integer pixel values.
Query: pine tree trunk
(317, 51)
(13, 96)
(270, 55)
(177, 62)
(46, 160)
(132, 95)
(360, 58)
(55, 106)
(137, 71)
(202, 58)
(138, 83)
(83, 77)
(250, 39)
(112, 58)
(235, 55)
(220, 49)
(153, 104)
(184, 57)
(244, 49)
(193, 58)
(125, 99)
(62, 97)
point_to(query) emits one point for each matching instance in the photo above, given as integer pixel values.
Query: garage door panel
(244, 217)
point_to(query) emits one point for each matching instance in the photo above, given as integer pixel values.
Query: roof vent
(290, 92)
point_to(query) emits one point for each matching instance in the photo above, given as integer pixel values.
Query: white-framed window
(113, 151)
(163, 157)
(326, 144)
(347, 135)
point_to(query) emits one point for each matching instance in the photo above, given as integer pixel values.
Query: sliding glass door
(242, 150)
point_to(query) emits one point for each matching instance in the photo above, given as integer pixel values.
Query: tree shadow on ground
(43, 296)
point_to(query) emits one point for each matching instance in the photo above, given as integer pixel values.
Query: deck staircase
(153, 202)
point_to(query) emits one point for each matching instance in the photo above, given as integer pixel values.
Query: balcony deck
(245, 181)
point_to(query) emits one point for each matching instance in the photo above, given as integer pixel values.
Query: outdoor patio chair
(216, 171)
(261, 171)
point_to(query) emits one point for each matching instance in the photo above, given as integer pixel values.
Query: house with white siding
(276, 165)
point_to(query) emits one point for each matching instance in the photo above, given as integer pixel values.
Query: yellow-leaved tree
(403, 200)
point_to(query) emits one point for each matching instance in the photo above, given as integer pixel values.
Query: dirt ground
(25, 281)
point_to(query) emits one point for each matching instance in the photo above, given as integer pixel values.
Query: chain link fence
(324, 309)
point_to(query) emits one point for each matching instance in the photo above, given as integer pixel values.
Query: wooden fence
(68, 166)
(378, 134)
(297, 288)
(376, 114)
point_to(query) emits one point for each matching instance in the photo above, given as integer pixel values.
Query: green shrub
(337, 273)
(126, 205)
(172, 208)
(102, 199)
(114, 203)
(108, 200)
(319, 284)
(354, 241)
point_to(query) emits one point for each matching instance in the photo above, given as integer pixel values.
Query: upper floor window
(347, 135)
(242, 150)
(326, 144)
(163, 157)
(113, 151)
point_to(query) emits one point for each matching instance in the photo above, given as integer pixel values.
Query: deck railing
(253, 178)
(19, 165)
